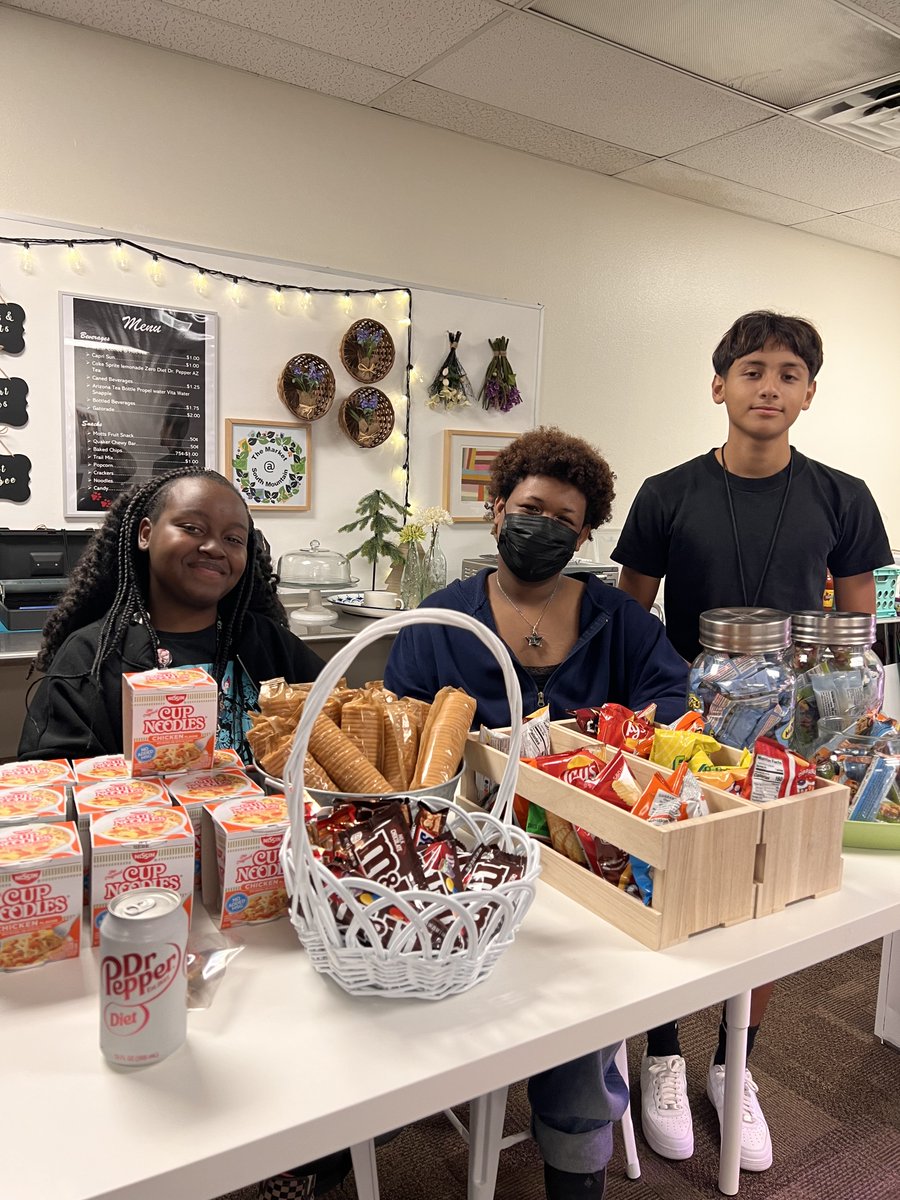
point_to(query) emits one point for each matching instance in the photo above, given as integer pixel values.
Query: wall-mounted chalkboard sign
(140, 395)
(13, 401)
(12, 328)
(15, 475)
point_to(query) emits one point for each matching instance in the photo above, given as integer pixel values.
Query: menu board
(139, 385)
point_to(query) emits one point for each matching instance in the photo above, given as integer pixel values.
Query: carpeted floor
(836, 1133)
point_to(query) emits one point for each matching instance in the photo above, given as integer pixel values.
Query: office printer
(35, 565)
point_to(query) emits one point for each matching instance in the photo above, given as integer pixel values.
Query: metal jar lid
(821, 628)
(745, 630)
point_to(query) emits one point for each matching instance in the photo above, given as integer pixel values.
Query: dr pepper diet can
(143, 987)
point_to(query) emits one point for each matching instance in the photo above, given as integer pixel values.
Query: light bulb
(346, 302)
(234, 292)
(396, 440)
(404, 321)
(76, 262)
(399, 474)
(120, 256)
(26, 260)
(379, 300)
(201, 283)
(278, 301)
(156, 272)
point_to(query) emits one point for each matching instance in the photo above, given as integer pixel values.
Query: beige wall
(637, 286)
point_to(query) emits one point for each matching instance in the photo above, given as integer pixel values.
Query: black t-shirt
(679, 527)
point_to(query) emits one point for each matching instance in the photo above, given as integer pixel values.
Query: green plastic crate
(885, 588)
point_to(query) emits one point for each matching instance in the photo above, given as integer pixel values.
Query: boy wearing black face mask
(574, 641)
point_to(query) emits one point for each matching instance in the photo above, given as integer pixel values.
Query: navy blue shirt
(621, 655)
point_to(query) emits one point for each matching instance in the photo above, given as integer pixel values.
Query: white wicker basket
(478, 925)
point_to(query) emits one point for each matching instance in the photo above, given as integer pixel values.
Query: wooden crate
(702, 869)
(799, 851)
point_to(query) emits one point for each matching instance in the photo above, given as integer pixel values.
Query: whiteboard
(258, 331)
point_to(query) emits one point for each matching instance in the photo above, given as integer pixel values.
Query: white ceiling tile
(792, 158)
(161, 24)
(857, 233)
(394, 35)
(665, 176)
(435, 107)
(887, 10)
(887, 216)
(532, 66)
(753, 48)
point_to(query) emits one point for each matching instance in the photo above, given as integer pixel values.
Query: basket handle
(336, 667)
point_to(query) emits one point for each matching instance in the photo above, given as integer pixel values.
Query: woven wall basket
(306, 406)
(441, 944)
(374, 427)
(367, 369)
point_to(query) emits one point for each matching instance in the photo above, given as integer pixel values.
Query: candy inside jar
(743, 681)
(839, 677)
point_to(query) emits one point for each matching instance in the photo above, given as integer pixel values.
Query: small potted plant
(376, 513)
(368, 339)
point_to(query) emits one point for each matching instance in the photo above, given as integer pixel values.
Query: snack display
(139, 847)
(403, 847)
(169, 720)
(23, 805)
(242, 874)
(866, 759)
(366, 741)
(40, 894)
(743, 681)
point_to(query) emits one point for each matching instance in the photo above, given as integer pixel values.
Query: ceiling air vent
(869, 114)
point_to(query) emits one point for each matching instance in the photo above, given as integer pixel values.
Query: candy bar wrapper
(489, 867)
(878, 796)
(602, 858)
(429, 824)
(775, 773)
(441, 865)
(383, 851)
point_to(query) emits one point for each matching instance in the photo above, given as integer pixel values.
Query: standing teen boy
(752, 523)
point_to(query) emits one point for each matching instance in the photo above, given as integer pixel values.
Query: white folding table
(285, 1067)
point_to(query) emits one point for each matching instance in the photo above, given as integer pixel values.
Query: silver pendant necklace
(534, 638)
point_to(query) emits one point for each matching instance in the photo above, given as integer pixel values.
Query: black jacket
(71, 716)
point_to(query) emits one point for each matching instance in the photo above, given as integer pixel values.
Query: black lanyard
(774, 538)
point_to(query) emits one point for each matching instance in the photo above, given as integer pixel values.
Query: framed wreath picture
(270, 463)
(468, 457)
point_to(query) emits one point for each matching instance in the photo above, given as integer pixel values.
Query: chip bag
(775, 773)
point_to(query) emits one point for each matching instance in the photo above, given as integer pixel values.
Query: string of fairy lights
(280, 293)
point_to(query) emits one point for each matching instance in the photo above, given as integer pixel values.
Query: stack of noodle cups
(478, 925)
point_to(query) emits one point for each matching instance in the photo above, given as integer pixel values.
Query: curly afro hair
(548, 451)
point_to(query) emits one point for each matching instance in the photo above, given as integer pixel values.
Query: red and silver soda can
(143, 986)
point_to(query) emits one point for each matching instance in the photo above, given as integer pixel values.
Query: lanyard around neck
(772, 540)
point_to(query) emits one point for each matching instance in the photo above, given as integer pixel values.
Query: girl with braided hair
(177, 575)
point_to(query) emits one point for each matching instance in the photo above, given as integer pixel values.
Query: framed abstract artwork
(468, 457)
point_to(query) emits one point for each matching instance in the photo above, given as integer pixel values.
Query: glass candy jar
(743, 680)
(839, 676)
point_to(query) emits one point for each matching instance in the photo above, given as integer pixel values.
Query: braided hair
(112, 557)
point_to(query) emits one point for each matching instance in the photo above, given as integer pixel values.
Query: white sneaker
(756, 1144)
(665, 1112)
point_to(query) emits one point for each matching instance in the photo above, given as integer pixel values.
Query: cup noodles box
(40, 894)
(96, 770)
(21, 806)
(96, 799)
(36, 773)
(242, 876)
(200, 787)
(148, 846)
(169, 720)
